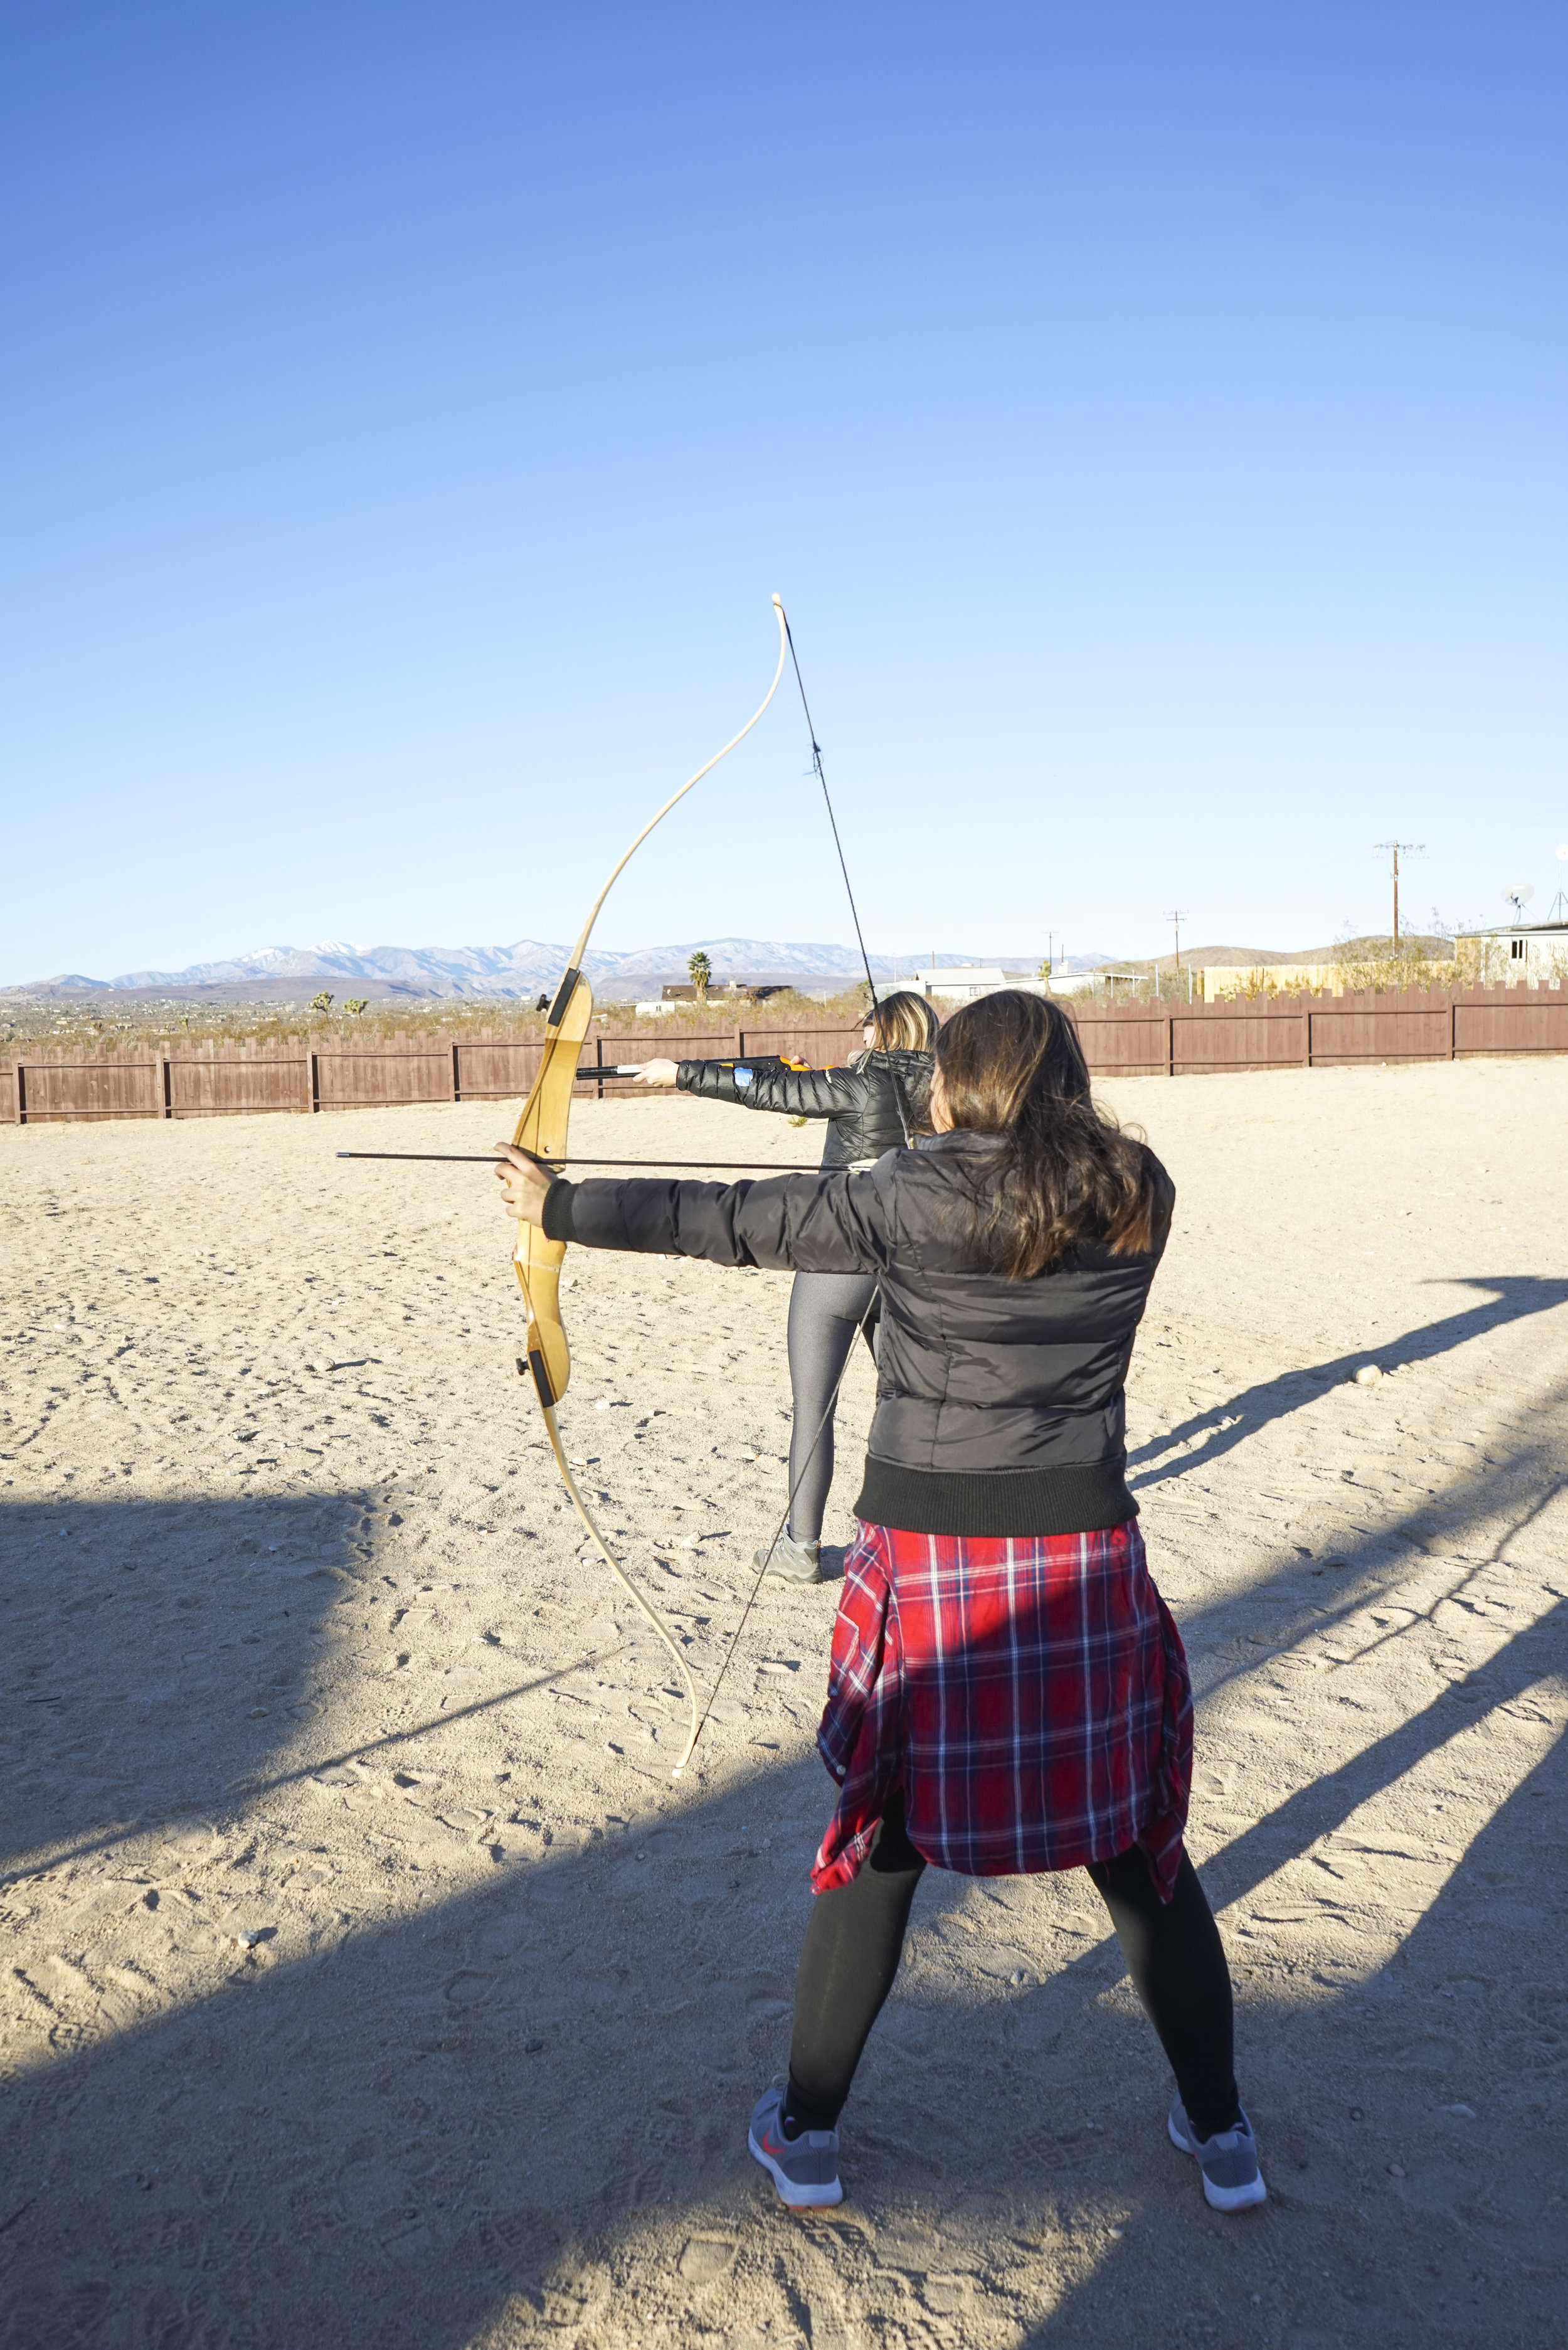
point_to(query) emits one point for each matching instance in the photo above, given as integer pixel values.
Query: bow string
(906, 1120)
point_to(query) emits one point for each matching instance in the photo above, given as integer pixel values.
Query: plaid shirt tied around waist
(1029, 1694)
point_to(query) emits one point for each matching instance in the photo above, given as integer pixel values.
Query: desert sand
(371, 1982)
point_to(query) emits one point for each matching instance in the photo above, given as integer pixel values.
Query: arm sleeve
(766, 1085)
(789, 1224)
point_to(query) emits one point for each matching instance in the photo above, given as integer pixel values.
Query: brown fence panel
(1346, 1029)
(1222, 1036)
(1515, 1020)
(9, 1080)
(95, 1089)
(370, 1077)
(1242, 1037)
(496, 1068)
(214, 1086)
(1189, 1039)
(1126, 1044)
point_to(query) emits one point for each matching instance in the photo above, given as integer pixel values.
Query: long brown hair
(1063, 1171)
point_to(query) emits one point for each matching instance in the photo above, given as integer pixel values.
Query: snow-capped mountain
(524, 968)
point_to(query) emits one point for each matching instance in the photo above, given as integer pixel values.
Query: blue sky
(1152, 418)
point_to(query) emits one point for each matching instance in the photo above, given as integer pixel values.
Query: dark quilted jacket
(1000, 1405)
(875, 1103)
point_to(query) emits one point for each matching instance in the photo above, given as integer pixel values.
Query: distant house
(675, 992)
(1522, 954)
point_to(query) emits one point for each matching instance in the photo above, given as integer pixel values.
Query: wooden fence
(334, 1072)
(1307, 1031)
(322, 1073)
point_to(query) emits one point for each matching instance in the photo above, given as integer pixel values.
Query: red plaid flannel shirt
(1029, 1694)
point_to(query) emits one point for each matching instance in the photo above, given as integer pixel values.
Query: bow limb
(675, 797)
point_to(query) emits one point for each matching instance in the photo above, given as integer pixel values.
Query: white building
(1522, 954)
(967, 983)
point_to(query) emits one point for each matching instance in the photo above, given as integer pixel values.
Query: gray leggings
(826, 1309)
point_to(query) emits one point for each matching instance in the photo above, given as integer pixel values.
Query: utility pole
(1175, 916)
(1397, 848)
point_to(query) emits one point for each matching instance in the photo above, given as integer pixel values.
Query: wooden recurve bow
(542, 1130)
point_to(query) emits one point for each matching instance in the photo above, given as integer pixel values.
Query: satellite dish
(1562, 850)
(1519, 896)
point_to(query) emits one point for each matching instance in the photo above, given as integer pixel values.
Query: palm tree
(701, 972)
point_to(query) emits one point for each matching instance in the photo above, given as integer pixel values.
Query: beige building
(1221, 979)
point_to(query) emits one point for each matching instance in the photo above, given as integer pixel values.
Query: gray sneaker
(1228, 2160)
(804, 2169)
(797, 1561)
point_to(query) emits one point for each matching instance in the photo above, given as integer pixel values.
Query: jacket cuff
(557, 1216)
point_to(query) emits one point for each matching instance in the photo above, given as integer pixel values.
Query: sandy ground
(368, 1980)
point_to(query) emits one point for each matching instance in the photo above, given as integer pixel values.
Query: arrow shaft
(493, 1159)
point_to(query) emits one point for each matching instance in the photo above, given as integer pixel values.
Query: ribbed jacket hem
(556, 1220)
(1065, 1501)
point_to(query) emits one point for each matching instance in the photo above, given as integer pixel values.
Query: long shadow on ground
(153, 1653)
(468, 2124)
(1219, 1428)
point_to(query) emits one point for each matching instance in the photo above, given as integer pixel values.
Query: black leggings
(855, 1938)
(826, 1309)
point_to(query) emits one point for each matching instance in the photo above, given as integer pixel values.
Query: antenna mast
(1175, 916)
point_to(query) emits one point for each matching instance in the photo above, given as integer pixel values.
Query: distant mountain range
(526, 968)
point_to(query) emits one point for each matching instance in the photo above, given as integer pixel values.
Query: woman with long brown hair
(1008, 1693)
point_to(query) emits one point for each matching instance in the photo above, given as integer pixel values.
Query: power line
(1398, 848)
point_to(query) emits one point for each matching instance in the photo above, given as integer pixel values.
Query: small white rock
(1368, 1376)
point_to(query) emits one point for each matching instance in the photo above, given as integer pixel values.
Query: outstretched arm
(801, 1224)
(765, 1082)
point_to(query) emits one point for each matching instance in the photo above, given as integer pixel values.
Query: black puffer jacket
(875, 1103)
(1000, 1405)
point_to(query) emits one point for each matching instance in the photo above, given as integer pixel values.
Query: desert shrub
(1388, 966)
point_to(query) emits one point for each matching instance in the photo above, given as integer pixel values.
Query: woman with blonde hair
(1007, 1692)
(875, 1103)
